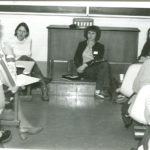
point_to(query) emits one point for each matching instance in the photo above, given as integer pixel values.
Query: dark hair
(95, 29)
(148, 34)
(25, 26)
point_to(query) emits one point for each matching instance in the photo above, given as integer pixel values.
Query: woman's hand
(81, 68)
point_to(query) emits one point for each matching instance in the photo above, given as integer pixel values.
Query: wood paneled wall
(121, 45)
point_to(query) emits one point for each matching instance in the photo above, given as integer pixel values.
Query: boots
(45, 96)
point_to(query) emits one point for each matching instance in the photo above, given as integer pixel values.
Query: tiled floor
(74, 123)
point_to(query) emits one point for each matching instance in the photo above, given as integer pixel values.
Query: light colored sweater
(87, 55)
(19, 48)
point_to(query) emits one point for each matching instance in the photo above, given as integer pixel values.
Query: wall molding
(43, 9)
(76, 10)
(119, 11)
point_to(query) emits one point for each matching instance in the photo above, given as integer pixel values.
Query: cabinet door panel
(120, 46)
(64, 43)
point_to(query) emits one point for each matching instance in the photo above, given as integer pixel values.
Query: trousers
(100, 73)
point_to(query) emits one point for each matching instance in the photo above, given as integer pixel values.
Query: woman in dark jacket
(90, 62)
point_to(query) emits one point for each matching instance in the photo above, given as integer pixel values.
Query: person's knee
(104, 66)
(26, 58)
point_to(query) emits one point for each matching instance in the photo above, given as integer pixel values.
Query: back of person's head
(25, 26)
(95, 29)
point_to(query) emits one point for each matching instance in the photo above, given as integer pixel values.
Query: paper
(22, 80)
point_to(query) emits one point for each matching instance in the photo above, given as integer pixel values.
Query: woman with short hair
(90, 63)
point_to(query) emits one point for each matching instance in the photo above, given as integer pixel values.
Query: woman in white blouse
(20, 47)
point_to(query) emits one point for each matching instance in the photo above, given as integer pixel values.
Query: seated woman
(90, 63)
(5, 135)
(137, 75)
(20, 47)
(141, 98)
(133, 71)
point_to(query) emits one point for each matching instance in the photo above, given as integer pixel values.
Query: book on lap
(97, 61)
(71, 77)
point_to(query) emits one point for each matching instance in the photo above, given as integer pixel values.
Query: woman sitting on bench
(90, 62)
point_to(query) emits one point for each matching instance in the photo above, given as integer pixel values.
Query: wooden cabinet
(120, 46)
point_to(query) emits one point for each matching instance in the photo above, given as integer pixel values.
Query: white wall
(38, 30)
(38, 23)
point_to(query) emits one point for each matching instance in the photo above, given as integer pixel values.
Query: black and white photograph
(74, 75)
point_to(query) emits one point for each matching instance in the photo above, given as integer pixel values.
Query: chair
(139, 111)
(14, 84)
(127, 85)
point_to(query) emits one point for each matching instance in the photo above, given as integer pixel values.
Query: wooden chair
(127, 85)
(14, 84)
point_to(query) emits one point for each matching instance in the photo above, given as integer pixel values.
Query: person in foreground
(20, 47)
(5, 135)
(144, 56)
(137, 107)
(90, 63)
(25, 127)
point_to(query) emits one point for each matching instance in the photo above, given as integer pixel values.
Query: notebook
(71, 77)
(22, 80)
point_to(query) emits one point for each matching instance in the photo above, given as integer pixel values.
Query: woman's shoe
(100, 95)
(45, 97)
(23, 136)
(31, 130)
